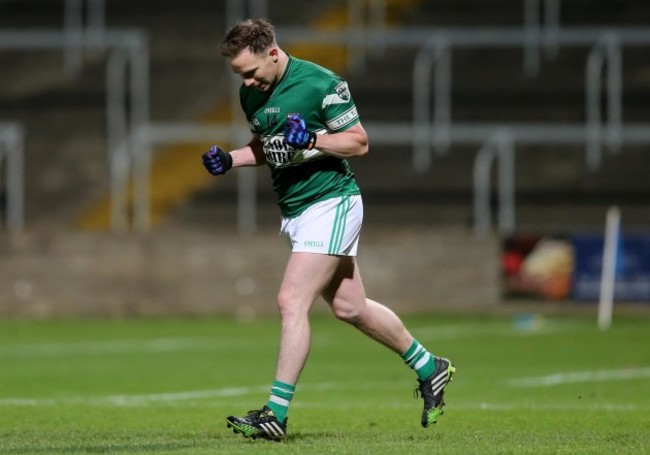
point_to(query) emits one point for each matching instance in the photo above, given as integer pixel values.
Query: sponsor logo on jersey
(272, 110)
(279, 154)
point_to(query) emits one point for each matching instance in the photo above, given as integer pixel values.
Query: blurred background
(501, 134)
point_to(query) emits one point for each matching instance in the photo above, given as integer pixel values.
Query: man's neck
(283, 61)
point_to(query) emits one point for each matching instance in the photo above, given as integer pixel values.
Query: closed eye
(249, 74)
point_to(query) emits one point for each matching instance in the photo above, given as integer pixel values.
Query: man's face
(259, 71)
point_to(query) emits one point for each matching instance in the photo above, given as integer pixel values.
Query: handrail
(540, 31)
(130, 50)
(551, 27)
(158, 133)
(129, 59)
(76, 34)
(499, 147)
(12, 139)
(116, 133)
(607, 48)
(606, 51)
(436, 53)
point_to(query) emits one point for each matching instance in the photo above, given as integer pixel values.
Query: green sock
(281, 395)
(420, 360)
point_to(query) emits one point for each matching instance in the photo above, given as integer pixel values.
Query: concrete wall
(200, 272)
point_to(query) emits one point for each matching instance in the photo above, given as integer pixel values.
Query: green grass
(166, 385)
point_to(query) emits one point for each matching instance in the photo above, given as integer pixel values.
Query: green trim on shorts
(340, 220)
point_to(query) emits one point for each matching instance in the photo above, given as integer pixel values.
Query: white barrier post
(608, 277)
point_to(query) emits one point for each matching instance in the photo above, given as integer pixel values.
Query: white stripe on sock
(422, 361)
(415, 354)
(278, 400)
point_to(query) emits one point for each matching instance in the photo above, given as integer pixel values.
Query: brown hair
(256, 34)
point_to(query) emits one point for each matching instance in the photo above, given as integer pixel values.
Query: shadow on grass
(200, 444)
(292, 438)
(111, 448)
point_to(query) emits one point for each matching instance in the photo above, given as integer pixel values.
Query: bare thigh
(305, 277)
(345, 292)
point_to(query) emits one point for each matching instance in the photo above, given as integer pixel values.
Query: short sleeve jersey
(303, 177)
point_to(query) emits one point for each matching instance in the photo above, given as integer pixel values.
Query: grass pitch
(557, 386)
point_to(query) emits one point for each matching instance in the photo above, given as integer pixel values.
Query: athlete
(305, 126)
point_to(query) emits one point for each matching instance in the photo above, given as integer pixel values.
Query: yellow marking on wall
(176, 170)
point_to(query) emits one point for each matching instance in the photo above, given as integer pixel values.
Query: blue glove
(216, 161)
(296, 134)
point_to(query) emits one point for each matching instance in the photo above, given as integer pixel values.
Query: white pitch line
(168, 397)
(111, 347)
(584, 376)
(124, 346)
(494, 329)
(135, 400)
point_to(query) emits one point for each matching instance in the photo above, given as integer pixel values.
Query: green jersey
(303, 177)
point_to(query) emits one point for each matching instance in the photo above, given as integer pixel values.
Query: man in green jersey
(305, 126)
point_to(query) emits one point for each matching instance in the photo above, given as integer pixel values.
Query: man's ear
(274, 53)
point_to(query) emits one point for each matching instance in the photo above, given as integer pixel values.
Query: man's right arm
(218, 162)
(252, 154)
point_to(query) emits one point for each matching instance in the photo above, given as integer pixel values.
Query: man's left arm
(349, 143)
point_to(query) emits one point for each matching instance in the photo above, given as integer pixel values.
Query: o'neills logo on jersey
(271, 115)
(279, 154)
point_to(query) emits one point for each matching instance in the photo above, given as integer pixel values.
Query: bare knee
(284, 303)
(347, 312)
(291, 307)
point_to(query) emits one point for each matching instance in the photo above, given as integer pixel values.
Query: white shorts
(329, 227)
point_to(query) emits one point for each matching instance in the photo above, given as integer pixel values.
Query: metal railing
(131, 134)
(606, 48)
(129, 49)
(436, 129)
(500, 147)
(433, 62)
(607, 51)
(127, 72)
(71, 40)
(12, 136)
(77, 34)
(540, 30)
